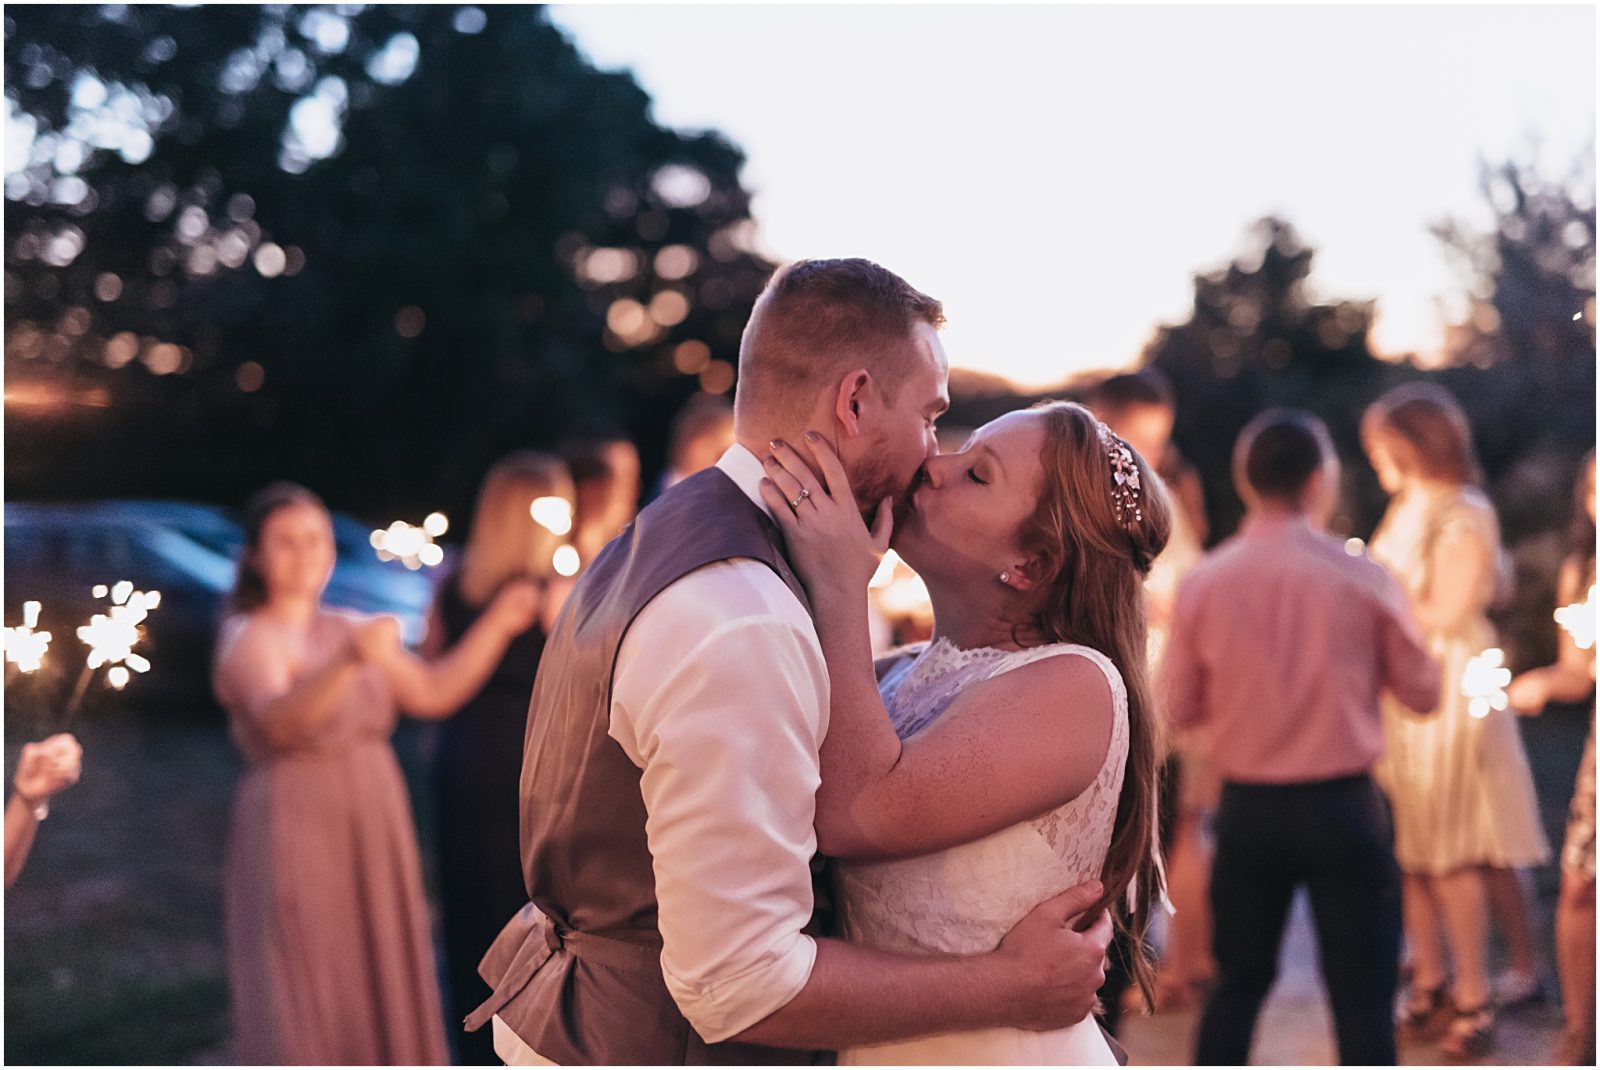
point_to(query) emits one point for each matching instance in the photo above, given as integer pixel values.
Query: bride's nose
(933, 472)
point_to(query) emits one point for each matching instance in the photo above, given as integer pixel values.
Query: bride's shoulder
(1068, 657)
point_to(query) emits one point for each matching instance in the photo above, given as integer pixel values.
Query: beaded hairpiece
(1124, 478)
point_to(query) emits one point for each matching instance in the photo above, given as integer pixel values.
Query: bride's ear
(1020, 577)
(848, 399)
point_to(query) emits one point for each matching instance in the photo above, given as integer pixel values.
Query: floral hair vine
(1125, 490)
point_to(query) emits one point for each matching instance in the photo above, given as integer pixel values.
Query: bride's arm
(1007, 749)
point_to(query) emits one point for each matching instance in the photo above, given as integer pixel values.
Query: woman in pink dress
(329, 952)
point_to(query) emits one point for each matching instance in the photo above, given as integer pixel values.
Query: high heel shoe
(1470, 1033)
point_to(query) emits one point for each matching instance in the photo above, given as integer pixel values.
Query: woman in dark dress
(479, 758)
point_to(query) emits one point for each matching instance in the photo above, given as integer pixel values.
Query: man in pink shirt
(1282, 643)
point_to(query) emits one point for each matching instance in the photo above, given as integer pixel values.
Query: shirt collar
(1274, 522)
(747, 472)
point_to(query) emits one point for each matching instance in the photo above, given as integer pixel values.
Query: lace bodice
(964, 899)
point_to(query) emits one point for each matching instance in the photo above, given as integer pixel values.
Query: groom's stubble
(873, 480)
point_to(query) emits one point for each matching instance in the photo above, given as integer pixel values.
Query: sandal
(1470, 1033)
(1423, 1007)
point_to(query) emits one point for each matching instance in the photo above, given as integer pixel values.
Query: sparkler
(24, 647)
(554, 514)
(1578, 621)
(565, 561)
(111, 637)
(1484, 681)
(412, 546)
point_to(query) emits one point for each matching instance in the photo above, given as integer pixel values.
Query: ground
(114, 954)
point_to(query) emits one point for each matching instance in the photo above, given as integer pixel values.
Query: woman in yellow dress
(1466, 817)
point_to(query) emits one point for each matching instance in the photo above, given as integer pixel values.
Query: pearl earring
(1005, 577)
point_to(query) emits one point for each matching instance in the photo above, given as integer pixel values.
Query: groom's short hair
(818, 319)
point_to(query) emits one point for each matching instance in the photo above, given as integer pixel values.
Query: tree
(366, 247)
(1255, 339)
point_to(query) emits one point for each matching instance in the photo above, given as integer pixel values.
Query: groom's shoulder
(730, 591)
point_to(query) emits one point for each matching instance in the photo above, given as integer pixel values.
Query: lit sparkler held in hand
(111, 637)
(1484, 682)
(412, 546)
(1578, 621)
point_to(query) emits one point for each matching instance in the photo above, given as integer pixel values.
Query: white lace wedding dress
(964, 899)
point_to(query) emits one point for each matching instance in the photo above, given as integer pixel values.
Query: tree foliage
(366, 247)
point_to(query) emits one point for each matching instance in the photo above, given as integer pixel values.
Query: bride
(1014, 756)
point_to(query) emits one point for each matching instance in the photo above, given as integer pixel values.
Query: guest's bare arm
(258, 678)
(1571, 678)
(439, 687)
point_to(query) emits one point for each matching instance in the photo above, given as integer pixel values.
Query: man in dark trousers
(1283, 642)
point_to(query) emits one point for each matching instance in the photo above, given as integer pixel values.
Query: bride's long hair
(1089, 589)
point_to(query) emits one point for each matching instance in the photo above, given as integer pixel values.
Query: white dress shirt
(720, 697)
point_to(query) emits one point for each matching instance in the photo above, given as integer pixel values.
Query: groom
(670, 765)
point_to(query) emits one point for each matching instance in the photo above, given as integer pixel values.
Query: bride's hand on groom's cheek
(828, 541)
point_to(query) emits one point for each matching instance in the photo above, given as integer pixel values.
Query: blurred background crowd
(435, 266)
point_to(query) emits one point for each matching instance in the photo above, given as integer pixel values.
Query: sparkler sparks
(1484, 682)
(554, 514)
(111, 636)
(412, 546)
(1578, 621)
(24, 647)
(566, 561)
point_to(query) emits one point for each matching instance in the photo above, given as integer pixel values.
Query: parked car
(57, 553)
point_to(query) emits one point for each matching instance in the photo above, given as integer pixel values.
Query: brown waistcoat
(577, 973)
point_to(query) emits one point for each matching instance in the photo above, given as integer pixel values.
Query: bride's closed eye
(972, 474)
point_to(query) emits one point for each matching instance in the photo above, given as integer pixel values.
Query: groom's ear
(847, 401)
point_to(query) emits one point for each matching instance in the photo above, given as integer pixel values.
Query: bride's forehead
(1014, 430)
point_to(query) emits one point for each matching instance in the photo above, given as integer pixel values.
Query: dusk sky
(1057, 175)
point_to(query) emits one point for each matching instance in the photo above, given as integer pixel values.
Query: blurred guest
(700, 434)
(1139, 407)
(1464, 805)
(44, 769)
(605, 476)
(1284, 643)
(479, 757)
(329, 954)
(1571, 679)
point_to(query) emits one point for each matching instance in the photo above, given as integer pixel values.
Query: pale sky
(1056, 175)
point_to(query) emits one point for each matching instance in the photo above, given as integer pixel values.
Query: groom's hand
(1059, 968)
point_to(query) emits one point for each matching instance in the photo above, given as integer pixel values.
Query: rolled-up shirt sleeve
(725, 719)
